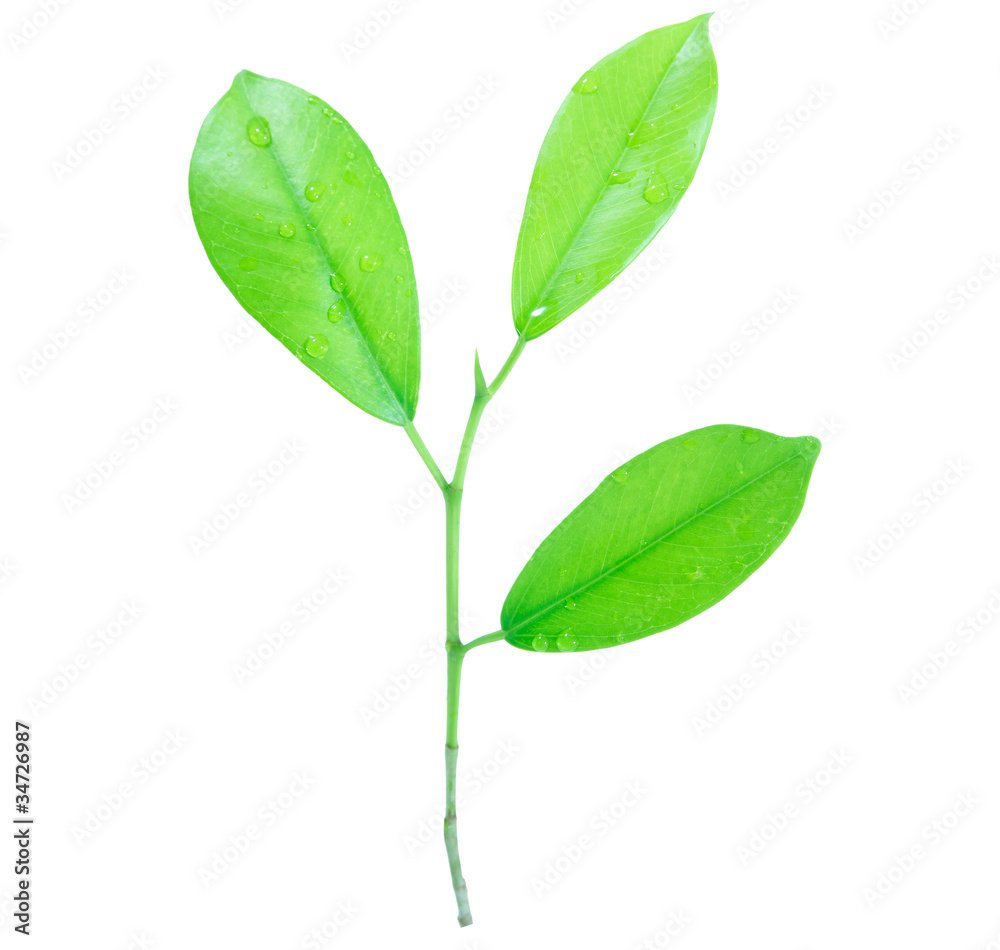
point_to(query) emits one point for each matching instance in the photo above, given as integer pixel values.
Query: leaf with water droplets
(615, 163)
(297, 220)
(662, 538)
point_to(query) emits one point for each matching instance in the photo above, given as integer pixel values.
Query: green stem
(453, 642)
(479, 641)
(411, 430)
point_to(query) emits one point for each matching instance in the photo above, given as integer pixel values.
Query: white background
(914, 103)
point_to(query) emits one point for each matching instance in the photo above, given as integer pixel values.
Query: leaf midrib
(604, 190)
(648, 547)
(313, 239)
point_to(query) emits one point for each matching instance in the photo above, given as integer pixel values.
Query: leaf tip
(810, 447)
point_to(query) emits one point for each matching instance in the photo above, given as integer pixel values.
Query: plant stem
(411, 430)
(456, 650)
(479, 641)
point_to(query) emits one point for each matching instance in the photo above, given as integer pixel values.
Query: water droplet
(310, 227)
(311, 100)
(248, 263)
(679, 184)
(327, 111)
(540, 644)
(620, 476)
(390, 336)
(619, 638)
(619, 177)
(317, 345)
(401, 250)
(563, 571)
(751, 435)
(287, 230)
(400, 278)
(570, 604)
(258, 131)
(337, 282)
(656, 190)
(314, 190)
(351, 178)
(408, 292)
(348, 155)
(644, 132)
(336, 312)
(702, 505)
(370, 263)
(346, 220)
(690, 443)
(336, 118)
(588, 82)
(579, 277)
(567, 642)
(258, 216)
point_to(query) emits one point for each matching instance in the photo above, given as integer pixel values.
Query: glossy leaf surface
(299, 223)
(615, 163)
(661, 539)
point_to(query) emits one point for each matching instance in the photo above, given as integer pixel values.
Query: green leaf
(615, 163)
(299, 223)
(661, 539)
